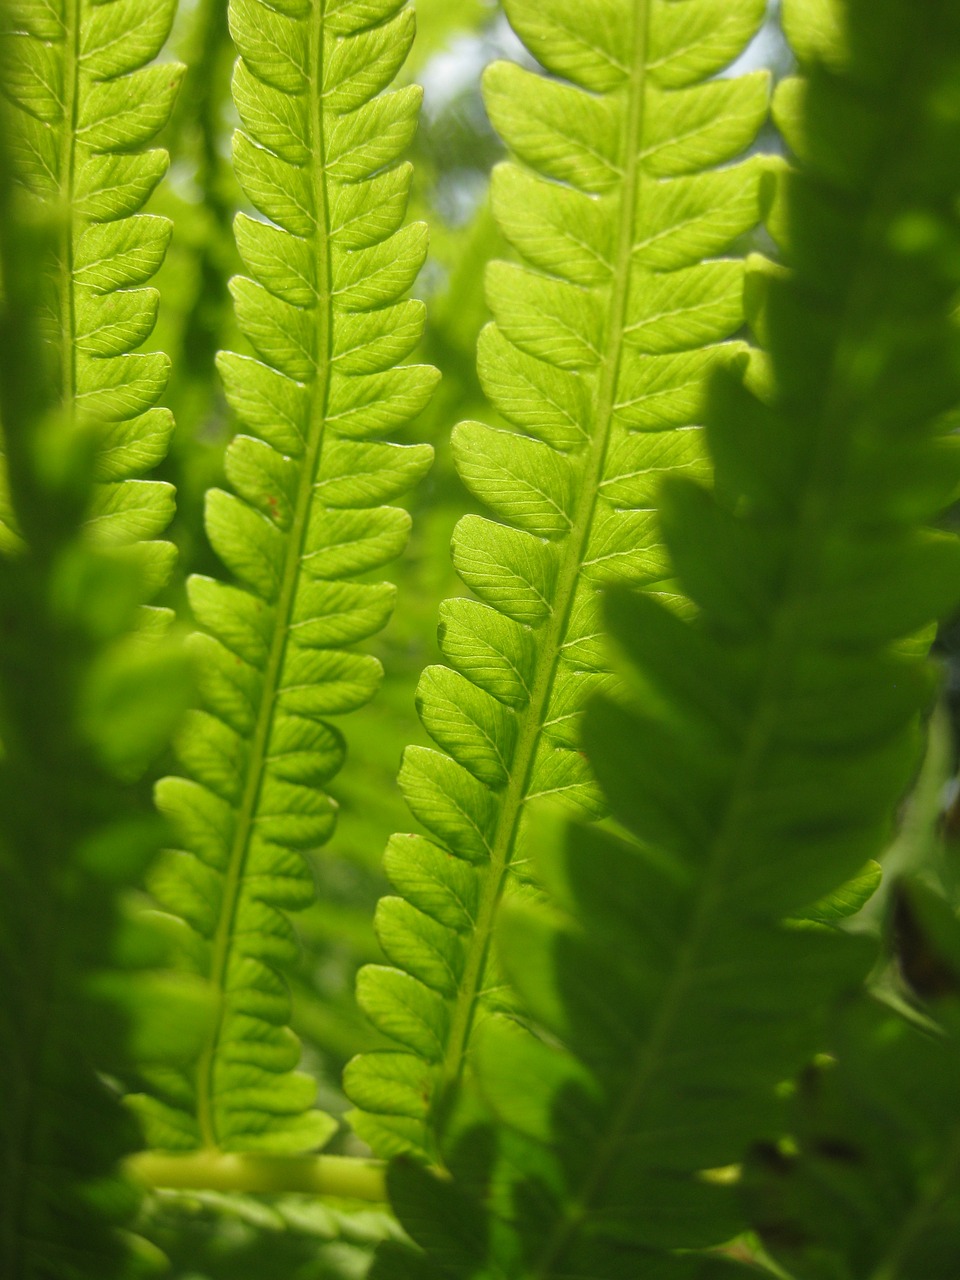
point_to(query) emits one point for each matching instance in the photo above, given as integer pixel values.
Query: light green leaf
(845, 901)
(755, 754)
(81, 71)
(326, 312)
(605, 335)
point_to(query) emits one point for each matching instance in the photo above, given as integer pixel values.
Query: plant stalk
(347, 1177)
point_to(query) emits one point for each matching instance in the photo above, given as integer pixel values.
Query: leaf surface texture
(301, 530)
(763, 748)
(84, 98)
(604, 333)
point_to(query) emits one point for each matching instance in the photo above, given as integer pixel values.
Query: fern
(597, 357)
(220, 1236)
(82, 104)
(770, 737)
(593, 1022)
(317, 156)
(870, 1185)
(82, 704)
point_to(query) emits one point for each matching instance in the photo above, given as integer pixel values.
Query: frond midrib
(284, 609)
(551, 639)
(68, 158)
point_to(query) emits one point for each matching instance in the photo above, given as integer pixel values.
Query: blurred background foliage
(210, 1237)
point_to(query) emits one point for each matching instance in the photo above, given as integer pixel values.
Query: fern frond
(231, 1234)
(770, 736)
(82, 700)
(82, 103)
(871, 1183)
(302, 529)
(597, 358)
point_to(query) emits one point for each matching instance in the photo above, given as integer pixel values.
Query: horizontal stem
(343, 1176)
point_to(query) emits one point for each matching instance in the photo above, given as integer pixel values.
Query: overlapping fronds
(303, 529)
(82, 699)
(770, 736)
(601, 343)
(81, 104)
(234, 1237)
(870, 1182)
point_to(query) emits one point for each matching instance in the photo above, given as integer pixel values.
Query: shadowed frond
(870, 1183)
(86, 701)
(767, 738)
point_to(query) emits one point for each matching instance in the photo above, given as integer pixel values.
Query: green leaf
(318, 156)
(870, 1184)
(604, 335)
(755, 758)
(89, 692)
(81, 107)
(845, 901)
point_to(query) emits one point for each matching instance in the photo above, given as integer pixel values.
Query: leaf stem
(346, 1177)
(66, 174)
